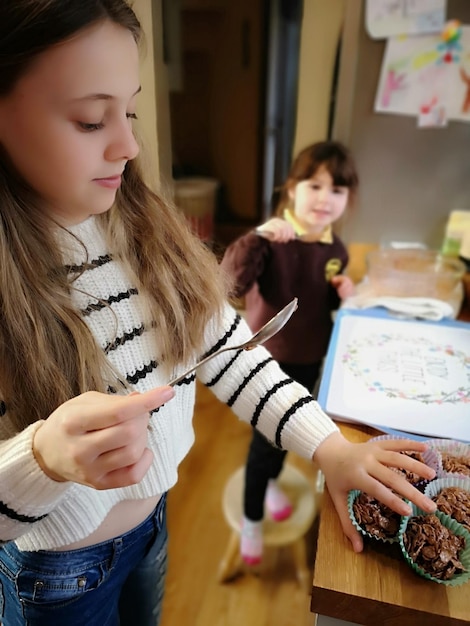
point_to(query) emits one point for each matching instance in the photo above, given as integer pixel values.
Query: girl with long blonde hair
(104, 296)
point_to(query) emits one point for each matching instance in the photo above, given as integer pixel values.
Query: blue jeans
(119, 582)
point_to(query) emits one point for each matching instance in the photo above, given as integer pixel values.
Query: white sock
(251, 541)
(277, 502)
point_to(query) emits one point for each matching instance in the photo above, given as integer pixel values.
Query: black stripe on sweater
(231, 401)
(120, 341)
(141, 374)
(265, 399)
(221, 343)
(300, 403)
(216, 379)
(105, 302)
(91, 265)
(11, 514)
(187, 381)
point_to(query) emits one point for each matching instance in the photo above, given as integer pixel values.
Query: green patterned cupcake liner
(352, 496)
(455, 528)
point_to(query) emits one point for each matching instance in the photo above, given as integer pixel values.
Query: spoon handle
(179, 378)
(271, 327)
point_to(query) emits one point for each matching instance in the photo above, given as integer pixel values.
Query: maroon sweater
(270, 275)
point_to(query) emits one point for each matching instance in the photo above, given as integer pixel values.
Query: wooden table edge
(339, 605)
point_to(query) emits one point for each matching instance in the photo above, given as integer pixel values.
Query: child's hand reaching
(344, 286)
(277, 230)
(367, 466)
(99, 440)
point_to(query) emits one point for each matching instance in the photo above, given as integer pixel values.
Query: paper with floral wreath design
(402, 374)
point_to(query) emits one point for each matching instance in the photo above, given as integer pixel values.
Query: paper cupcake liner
(353, 494)
(455, 528)
(431, 458)
(451, 480)
(451, 446)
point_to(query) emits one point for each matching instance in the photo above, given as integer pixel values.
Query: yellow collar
(300, 231)
(327, 235)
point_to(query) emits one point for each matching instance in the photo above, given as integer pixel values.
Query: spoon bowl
(267, 331)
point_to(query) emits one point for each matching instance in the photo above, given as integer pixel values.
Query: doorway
(233, 109)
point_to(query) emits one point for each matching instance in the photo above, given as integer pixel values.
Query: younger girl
(104, 297)
(294, 254)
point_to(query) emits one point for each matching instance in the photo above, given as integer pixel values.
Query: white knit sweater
(40, 513)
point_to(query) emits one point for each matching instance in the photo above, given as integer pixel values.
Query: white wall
(153, 103)
(321, 27)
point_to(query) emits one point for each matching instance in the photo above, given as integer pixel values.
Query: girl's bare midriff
(122, 518)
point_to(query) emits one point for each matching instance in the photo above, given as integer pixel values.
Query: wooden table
(377, 587)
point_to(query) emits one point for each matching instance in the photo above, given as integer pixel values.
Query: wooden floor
(199, 535)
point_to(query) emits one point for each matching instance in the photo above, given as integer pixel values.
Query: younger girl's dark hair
(331, 154)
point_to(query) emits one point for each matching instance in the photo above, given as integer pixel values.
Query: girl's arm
(252, 384)
(94, 439)
(244, 260)
(27, 495)
(344, 286)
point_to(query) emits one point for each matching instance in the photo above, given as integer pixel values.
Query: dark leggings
(264, 461)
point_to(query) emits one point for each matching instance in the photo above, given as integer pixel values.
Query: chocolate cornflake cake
(411, 477)
(454, 464)
(433, 547)
(455, 502)
(375, 518)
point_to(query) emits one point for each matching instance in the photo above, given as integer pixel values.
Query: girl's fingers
(403, 461)
(116, 458)
(117, 436)
(400, 485)
(107, 411)
(401, 445)
(377, 488)
(351, 533)
(390, 455)
(389, 487)
(125, 476)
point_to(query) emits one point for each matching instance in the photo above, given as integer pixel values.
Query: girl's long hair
(47, 352)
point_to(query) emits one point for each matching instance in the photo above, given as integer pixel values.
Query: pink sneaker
(277, 503)
(251, 542)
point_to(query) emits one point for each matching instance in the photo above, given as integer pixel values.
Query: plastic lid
(465, 244)
(458, 218)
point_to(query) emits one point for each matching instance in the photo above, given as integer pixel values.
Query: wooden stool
(289, 532)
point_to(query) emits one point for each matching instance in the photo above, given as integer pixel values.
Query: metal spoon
(264, 333)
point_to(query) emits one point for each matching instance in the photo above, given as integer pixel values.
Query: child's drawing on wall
(393, 82)
(423, 69)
